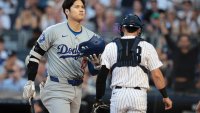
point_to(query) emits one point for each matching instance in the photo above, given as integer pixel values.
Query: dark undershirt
(184, 63)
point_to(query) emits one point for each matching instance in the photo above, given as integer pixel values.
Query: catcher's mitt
(100, 108)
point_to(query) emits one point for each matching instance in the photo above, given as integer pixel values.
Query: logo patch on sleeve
(41, 38)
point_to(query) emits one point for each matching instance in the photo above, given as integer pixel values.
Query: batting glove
(29, 90)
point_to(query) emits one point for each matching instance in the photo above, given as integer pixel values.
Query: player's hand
(29, 90)
(168, 103)
(198, 108)
(41, 85)
(96, 61)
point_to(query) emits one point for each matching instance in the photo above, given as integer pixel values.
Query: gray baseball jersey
(61, 46)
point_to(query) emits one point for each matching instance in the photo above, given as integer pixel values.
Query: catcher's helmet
(131, 20)
(95, 45)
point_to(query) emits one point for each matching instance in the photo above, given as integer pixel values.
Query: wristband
(163, 92)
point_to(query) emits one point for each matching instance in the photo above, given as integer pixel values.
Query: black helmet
(131, 20)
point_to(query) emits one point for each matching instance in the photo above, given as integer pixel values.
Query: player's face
(77, 11)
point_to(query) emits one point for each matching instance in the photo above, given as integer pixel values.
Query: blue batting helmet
(95, 45)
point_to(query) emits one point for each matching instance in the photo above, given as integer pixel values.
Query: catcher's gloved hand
(100, 107)
(29, 90)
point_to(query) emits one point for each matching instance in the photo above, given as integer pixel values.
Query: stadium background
(22, 21)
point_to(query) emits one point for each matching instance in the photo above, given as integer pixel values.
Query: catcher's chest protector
(127, 52)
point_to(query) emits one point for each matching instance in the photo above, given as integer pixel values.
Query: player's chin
(80, 19)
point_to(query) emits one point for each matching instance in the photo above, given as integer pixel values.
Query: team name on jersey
(66, 52)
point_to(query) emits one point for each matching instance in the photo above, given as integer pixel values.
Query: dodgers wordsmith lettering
(66, 52)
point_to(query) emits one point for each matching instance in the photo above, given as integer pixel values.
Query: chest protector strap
(131, 60)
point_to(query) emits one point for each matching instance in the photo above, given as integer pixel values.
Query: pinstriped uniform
(130, 100)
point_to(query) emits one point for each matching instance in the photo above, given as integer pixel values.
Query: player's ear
(122, 29)
(66, 11)
(139, 31)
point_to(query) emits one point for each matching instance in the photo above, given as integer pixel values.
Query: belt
(75, 82)
(119, 87)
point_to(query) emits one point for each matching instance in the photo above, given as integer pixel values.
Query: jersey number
(138, 53)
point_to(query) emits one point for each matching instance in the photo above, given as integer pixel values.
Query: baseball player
(59, 43)
(128, 59)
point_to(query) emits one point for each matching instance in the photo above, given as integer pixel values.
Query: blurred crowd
(172, 26)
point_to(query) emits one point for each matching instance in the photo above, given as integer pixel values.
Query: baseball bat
(32, 105)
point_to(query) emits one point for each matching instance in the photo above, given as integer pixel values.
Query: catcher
(129, 59)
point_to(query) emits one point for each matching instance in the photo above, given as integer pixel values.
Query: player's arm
(159, 82)
(101, 82)
(102, 76)
(153, 65)
(158, 79)
(32, 62)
